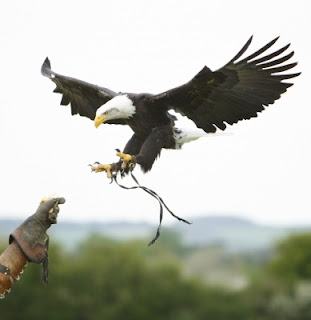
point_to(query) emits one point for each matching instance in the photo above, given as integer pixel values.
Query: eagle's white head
(119, 107)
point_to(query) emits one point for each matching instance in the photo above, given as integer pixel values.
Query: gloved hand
(29, 242)
(31, 235)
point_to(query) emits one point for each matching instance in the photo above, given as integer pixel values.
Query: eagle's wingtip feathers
(276, 38)
(46, 68)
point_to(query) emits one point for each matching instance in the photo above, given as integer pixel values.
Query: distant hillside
(234, 234)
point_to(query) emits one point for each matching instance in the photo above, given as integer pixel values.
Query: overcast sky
(260, 171)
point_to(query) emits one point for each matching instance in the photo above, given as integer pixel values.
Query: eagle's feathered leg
(141, 152)
(132, 148)
(160, 137)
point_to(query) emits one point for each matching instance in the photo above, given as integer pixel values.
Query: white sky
(261, 171)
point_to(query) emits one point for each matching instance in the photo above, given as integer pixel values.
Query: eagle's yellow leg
(103, 167)
(126, 158)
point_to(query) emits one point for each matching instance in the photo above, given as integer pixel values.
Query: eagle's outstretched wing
(237, 91)
(84, 98)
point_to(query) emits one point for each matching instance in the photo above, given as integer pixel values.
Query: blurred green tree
(110, 280)
(281, 289)
(293, 258)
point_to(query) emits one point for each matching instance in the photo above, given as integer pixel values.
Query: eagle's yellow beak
(99, 120)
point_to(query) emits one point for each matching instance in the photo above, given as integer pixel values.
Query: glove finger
(49, 207)
(53, 212)
(60, 200)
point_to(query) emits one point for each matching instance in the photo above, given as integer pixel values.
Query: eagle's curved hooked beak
(100, 119)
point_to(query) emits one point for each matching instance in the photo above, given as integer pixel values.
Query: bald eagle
(212, 99)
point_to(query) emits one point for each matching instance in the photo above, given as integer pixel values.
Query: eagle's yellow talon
(127, 159)
(103, 167)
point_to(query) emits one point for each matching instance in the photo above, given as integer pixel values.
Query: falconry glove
(31, 235)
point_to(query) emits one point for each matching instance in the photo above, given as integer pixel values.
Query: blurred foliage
(293, 259)
(105, 279)
(110, 280)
